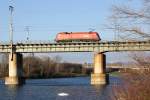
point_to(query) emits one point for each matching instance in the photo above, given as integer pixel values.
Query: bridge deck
(111, 46)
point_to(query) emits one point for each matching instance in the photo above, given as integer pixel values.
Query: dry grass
(136, 86)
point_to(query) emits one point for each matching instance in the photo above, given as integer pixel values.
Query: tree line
(45, 67)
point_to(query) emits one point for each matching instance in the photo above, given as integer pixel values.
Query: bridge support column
(15, 70)
(99, 76)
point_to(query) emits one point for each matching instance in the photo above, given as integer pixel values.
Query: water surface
(78, 88)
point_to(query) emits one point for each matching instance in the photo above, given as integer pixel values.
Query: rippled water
(49, 89)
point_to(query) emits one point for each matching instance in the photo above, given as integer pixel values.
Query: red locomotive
(77, 37)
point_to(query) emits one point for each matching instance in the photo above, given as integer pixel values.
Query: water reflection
(11, 91)
(99, 87)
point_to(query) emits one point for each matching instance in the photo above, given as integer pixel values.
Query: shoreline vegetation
(35, 67)
(58, 75)
(136, 85)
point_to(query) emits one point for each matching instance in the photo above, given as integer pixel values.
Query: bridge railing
(52, 41)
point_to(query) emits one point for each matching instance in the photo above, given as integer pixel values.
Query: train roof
(76, 32)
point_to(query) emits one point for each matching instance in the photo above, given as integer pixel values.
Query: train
(77, 37)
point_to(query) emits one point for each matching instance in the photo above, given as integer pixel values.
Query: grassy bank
(116, 73)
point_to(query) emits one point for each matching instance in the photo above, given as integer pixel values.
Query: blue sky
(46, 18)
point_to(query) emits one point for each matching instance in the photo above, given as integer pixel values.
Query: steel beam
(112, 46)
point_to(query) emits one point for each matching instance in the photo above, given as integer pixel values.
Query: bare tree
(4, 65)
(57, 60)
(132, 23)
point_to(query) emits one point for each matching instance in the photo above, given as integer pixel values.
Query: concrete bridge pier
(15, 70)
(99, 77)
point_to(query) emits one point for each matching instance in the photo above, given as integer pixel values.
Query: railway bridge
(99, 75)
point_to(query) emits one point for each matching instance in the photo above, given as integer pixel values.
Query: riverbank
(115, 74)
(57, 75)
(67, 75)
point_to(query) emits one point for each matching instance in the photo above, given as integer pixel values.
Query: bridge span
(99, 75)
(110, 46)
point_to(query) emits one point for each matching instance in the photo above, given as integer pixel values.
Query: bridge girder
(113, 46)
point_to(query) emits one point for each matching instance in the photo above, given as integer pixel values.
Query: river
(78, 88)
